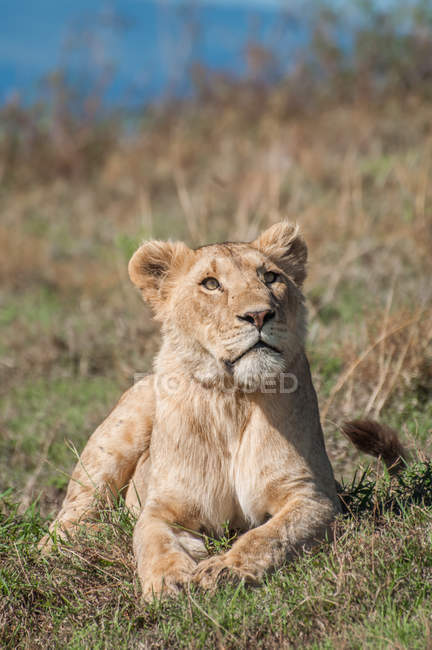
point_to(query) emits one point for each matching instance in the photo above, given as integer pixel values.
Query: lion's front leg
(107, 462)
(165, 551)
(299, 524)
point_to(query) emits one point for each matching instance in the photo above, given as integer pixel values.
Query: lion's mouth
(259, 345)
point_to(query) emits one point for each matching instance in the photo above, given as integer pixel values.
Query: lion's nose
(258, 318)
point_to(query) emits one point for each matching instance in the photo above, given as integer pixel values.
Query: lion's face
(231, 312)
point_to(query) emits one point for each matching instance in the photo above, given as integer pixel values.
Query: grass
(42, 416)
(369, 587)
(356, 175)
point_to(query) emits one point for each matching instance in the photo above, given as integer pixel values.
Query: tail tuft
(377, 440)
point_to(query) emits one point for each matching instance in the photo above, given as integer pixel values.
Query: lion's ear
(283, 244)
(152, 263)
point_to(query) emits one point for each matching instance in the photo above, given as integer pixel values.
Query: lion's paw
(169, 583)
(219, 569)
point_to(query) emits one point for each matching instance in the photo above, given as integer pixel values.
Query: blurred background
(208, 121)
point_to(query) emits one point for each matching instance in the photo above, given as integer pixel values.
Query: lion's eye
(211, 284)
(269, 277)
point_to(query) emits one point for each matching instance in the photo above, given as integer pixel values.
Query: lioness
(217, 433)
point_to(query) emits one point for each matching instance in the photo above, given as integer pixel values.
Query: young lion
(227, 427)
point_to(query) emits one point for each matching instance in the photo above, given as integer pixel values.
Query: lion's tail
(377, 440)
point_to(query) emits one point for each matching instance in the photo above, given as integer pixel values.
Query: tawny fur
(378, 440)
(210, 437)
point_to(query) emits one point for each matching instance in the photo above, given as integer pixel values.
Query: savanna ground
(75, 201)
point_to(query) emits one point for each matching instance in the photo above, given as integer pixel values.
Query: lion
(227, 428)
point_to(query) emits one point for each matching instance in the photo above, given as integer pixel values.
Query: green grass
(42, 418)
(369, 587)
(37, 308)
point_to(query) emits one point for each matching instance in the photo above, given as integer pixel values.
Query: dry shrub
(394, 359)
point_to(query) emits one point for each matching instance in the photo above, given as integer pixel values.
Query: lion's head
(231, 312)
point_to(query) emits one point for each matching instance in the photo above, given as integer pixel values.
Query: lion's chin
(254, 370)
